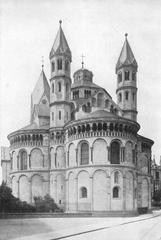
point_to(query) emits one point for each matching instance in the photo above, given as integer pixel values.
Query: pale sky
(95, 28)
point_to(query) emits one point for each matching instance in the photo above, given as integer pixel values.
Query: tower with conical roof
(126, 70)
(60, 91)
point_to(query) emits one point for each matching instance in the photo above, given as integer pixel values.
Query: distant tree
(9, 203)
(157, 196)
(46, 204)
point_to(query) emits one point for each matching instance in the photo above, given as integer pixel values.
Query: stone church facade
(80, 146)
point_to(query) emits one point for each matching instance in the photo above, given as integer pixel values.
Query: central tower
(60, 91)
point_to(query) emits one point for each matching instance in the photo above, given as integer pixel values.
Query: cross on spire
(42, 60)
(82, 56)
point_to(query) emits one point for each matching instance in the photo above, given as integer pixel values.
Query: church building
(80, 146)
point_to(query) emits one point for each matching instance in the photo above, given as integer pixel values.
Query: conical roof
(60, 45)
(126, 57)
(41, 88)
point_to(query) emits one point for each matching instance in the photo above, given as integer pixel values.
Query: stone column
(122, 154)
(55, 160)
(55, 190)
(76, 193)
(108, 154)
(29, 161)
(49, 159)
(91, 192)
(91, 157)
(18, 158)
(109, 192)
(43, 160)
(67, 195)
(18, 189)
(30, 191)
(124, 193)
(67, 158)
(76, 152)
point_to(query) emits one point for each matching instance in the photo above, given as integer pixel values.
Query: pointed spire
(60, 45)
(41, 88)
(126, 57)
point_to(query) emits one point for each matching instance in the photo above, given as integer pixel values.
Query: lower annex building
(80, 146)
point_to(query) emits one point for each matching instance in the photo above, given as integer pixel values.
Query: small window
(52, 116)
(53, 88)
(59, 115)
(133, 76)
(119, 77)
(115, 192)
(120, 97)
(59, 87)
(83, 192)
(66, 65)
(157, 175)
(127, 75)
(126, 95)
(53, 66)
(59, 63)
(116, 177)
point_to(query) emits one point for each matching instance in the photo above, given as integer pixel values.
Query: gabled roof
(126, 57)
(60, 45)
(41, 88)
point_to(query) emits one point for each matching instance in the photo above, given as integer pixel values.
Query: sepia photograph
(80, 113)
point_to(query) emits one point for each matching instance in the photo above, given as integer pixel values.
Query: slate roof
(41, 88)
(60, 45)
(126, 57)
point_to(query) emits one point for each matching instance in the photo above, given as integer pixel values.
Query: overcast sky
(95, 28)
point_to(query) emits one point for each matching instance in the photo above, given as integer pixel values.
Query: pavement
(146, 227)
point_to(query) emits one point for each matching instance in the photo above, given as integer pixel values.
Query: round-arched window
(83, 192)
(115, 153)
(23, 160)
(115, 192)
(84, 154)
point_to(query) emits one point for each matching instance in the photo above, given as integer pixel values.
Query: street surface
(143, 227)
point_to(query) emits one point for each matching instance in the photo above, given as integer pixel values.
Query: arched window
(83, 192)
(120, 97)
(115, 192)
(52, 87)
(126, 95)
(84, 154)
(59, 87)
(119, 77)
(66, 65)
(116, 177)
(115, 153)
(59, 63)
(133, 96)
(127, 75)
(59, 115)
(53, 66)
(106, 103)
(23, 160)
(133, 76)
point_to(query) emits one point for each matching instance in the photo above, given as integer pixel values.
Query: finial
(42, 59)
(126, 34)
(60, 22)
(82, 56)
